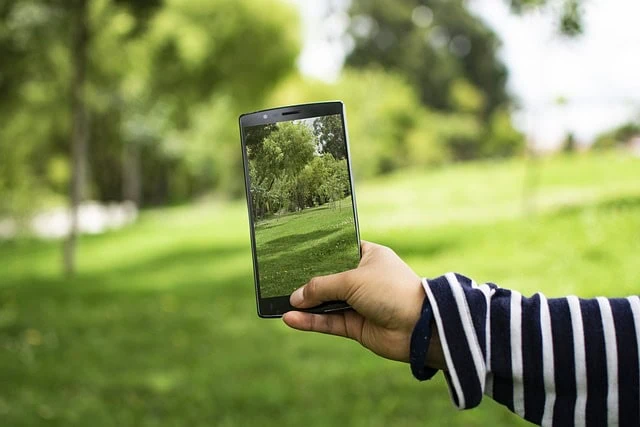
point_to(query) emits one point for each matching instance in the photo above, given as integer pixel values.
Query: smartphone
(302, 209)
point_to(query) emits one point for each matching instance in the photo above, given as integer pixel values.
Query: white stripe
(516, 353)
(579, 360)
(445, 346)
(488, 293)
(547, 362)
(634, 302)
(488, 388)
(611, 350)
(467, 326)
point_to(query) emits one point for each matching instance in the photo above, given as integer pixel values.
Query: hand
(387, 298)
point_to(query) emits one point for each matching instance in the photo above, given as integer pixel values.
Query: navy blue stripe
(501, 347)
(532, 373)
(456, 341)
(563, 362)
(476, 299)
(627, 362)
(596, 414)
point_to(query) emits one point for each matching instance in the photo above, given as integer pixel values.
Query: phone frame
(276, 306)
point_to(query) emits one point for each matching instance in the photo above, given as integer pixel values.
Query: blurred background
(496, 138)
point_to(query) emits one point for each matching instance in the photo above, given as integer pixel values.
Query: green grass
(160, 326)
(295, 247)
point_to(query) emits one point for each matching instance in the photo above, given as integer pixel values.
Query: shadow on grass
(287, 242)
(283, 273)
(615, 204)
(193, 268)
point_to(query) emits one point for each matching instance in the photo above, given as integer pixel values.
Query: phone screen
(301, 200)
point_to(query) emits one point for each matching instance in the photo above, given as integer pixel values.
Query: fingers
(348, 324)
(334, 287)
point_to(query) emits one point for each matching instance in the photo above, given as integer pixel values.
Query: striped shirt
(561, 361)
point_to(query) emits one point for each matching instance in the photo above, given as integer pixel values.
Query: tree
(330, 135)
(433, 44)
(146, 80)
(617, 136)
(79, 126)
(569, 145)
(280, 157)
(570, 13)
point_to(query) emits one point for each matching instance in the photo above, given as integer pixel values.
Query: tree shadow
(421, 247)
(281, 274)
(614, 204)
(288, 241)
(191, 268)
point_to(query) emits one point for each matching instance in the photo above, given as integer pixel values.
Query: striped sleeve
(561, 361)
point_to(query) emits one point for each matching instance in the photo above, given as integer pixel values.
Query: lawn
(292, 248)
(160, 326)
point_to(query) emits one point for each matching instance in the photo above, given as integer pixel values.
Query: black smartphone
(302, 210)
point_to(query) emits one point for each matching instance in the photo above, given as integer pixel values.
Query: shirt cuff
(460, 311)
(419, 347)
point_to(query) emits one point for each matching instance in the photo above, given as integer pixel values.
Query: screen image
(301, 202)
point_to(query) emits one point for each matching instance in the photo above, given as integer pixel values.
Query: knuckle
(312, 323)
(311, 290)
(328, 323)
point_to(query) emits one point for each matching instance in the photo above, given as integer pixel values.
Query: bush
(617, 136)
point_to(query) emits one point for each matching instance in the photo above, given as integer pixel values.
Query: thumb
(334, 287)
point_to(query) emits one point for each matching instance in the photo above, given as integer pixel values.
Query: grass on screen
(293, 248)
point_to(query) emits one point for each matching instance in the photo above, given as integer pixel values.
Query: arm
(563, 361)
(558, 361)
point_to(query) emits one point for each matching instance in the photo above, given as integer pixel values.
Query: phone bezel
(277, 306)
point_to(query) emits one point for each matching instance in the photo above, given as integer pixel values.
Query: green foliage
(274, 164)
(433, 45)
(465, 98)
(502, 139)
(390, 129)
(288, 169)
(159, 328)
(330, 134)
(378, 120)
(571, 18)
(569, 145)
(617, 136)
(166, 81)
(570, 13)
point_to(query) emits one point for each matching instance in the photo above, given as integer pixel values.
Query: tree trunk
(79, 131)
(131, 177)
(530, 182)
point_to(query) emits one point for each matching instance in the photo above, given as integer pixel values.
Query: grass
(159, 326)
(295, 247)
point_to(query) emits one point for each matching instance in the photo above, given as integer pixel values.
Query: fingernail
(297, 297)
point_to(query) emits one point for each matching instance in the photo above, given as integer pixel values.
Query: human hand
(386, 296)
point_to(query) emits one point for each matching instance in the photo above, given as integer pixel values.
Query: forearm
(553, 362)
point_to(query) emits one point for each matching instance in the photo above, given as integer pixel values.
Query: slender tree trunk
(530, 182)
(131, 177)
(79, 132)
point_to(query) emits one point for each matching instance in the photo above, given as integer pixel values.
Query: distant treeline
(423, 86)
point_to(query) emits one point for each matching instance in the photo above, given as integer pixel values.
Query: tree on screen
(330, 135)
